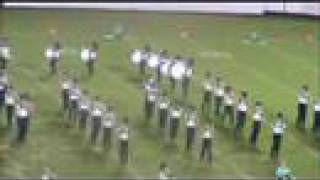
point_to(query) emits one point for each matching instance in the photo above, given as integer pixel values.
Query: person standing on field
(258, 121)
(218, 91)
(277, 131)
(207, 94)
(206, 148)
(10, 102)
(123, 137)
(303, 101)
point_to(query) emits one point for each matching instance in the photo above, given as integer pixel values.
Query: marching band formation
(171, 110)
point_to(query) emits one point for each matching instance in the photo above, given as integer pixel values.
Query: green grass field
(272, 72)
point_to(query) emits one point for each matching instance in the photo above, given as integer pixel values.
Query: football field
(272, 68)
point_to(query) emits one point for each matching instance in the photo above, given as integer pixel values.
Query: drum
(85, 55)
(136, 57)
(178, 70)
(153, 61)
(49, 53)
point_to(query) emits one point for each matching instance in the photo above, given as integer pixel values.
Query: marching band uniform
(5, 55)
(207, 94)
(258, 120)
(144, 59)
(229, 105)
(84, 111)
(3, 90)
(108, 125)
(53, 55)
(277, 131)
(163, 111)
(65, 91)
(187, 77)
(316, 125)
(92, 59)
(23, 118)
(10, 104)
(74, 98)
(218, 92)
(96, 120)
(206, 149)
(191, 129)
(303, 101)
(151, 95)
(123, 137)
(175, 117)
(241, 116)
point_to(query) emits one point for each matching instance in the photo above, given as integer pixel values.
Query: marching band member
(151, 95)
(316, 125)
(53, 55)
(277, 131)
(258, 120)
(241, 115)
(66, 85)
(174, 121)
(23, 118)
(123, 136)
(206, 148)
(229, 104)
(109, 122)
(191, 124)
(187, 76)
(218, 92)
(163, 110)
(303, 100)
(163, 57)
(144, 58)
(74, 97)
(92, 57)
(98, 110)
(5, 55)
(207, 93)
(84, 109)
(10, 101)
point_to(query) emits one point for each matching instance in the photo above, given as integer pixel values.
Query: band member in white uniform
(163, 109)
(258, 121)
(98, 109)
(316, 124)
(23, 118)
(151, 97)
(277, 131)
(175, 60)
(10, 101)
(187, 76)
(109, 122)
(53, 55)
(218, 91)
(229, 101)
(66, 85)
(84, 109)
(3, 91)
(123, 136)
(174, 121)
(145, 54)
(207, 94)
(191, 127)
(74, 98)
(241, 115)
(303, 100)
(206, 148)
(5, 55)
(162, 59)
(92, 57)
